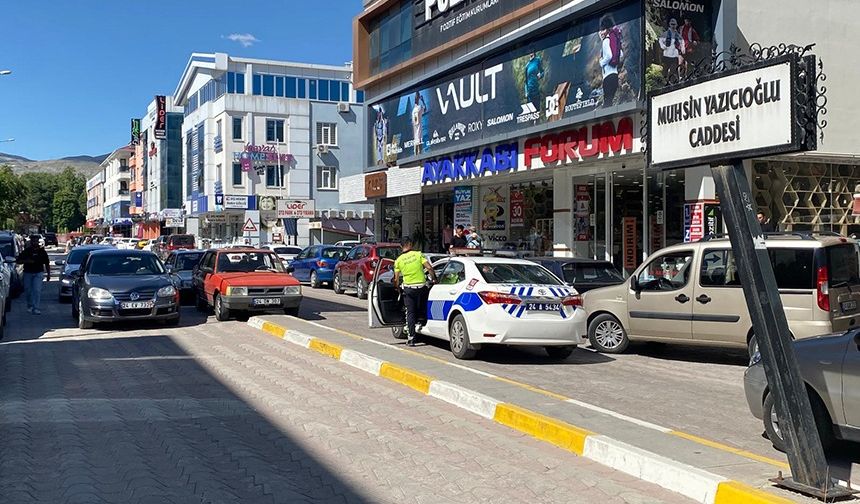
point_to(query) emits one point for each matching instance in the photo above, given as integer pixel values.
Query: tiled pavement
(217, 412)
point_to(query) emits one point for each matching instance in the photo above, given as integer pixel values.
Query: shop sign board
(135, 132)
(160, 117)
(296, 209)
(172, 213)
(739, 114)
(375, 185)
(474, 164)
(463, 197)
(552, 78)
(518, 208)
(610, 138)
(236, 202)
(174, 223)
(217, 218)
(629, 241)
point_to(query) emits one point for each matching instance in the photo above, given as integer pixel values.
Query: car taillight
(823, 289)
(575, 300)
(321, 264)
(492, 297)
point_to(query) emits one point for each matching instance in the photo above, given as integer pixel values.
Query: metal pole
(805, 454)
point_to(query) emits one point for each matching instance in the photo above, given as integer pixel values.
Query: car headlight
(66, 281)
(237, 291)
(293, 290)
(168, 291)
(97, 294)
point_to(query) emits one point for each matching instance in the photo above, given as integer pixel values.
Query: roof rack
(803, 235)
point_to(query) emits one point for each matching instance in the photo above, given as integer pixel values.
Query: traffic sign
(250, 226)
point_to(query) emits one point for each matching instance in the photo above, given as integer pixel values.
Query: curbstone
(556, 432)
(466, 399)
(733, 492)
(406, 376)
(363, 362)
(326, 348)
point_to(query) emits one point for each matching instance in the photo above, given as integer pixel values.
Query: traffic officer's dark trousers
(415, 300)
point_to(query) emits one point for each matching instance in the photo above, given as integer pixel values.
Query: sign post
(759, 105)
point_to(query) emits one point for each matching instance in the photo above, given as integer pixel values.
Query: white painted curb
(466, 399)
(361, 361)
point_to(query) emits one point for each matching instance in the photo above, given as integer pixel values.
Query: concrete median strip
(695, 483)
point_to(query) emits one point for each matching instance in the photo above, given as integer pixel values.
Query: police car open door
(385, 306)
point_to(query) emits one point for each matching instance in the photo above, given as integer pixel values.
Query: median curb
(692, 482)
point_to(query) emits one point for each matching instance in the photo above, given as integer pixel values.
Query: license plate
(849, 306)
(266, 301)
(136, 305)
(543, 306)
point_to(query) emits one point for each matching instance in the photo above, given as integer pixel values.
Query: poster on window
(694, 221)
(462, 206)
(629, 240)
(582, 213)
(494, 216)
(518, 208)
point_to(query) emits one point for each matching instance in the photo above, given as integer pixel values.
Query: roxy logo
(441, 5)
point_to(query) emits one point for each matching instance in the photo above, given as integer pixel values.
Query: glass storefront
(392, 220)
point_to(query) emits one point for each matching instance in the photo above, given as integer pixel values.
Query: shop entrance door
(589, 216)
(626, 219)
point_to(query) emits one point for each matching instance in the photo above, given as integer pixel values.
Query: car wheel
(607, 335)
(752, 347)
(560, 352)
(398, 332)
(819, 413)
(336, 285)
(315, 281)
(294, 312)
(458, 333)
(222, 313)
(361, 288)
(82, 322)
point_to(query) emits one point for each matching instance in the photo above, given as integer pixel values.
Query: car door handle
(704, 299)
(682, 298)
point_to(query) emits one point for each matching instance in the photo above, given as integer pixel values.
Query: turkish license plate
(849, 306)
(136, 305)
(266, 301)
(543, 306)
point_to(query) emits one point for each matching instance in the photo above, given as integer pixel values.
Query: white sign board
(216, 218)
(740, 115)
(174, 222)
(236, 202)
(296, 209)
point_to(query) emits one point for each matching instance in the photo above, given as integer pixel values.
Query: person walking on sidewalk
(36, 268)
(410, 275)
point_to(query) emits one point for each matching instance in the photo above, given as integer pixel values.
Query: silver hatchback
(830, 367)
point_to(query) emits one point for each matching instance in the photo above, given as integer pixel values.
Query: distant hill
(85, 165)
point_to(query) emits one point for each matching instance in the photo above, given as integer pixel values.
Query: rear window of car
(591, 273)
(7, 248)
(182, 240)
(516, 273)
(335, 253)
(388, 252)
(843, 264)
(793, 268)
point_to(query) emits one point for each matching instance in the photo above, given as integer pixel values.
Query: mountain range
(85, 165)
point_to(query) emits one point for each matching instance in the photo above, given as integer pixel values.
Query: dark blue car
(316, 263)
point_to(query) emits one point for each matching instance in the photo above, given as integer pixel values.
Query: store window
(589, 216)
(531, 218)
(627, 217)
(392, 220)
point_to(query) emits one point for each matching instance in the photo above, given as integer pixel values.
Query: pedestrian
(447, 237)
(473, 239)
(458, 241)
(36, 268)
(410, 275)
(766, 225)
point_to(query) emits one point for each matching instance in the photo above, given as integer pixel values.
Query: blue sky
(82, 69)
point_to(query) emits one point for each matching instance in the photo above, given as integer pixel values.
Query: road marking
(730, 449)
(641, 423)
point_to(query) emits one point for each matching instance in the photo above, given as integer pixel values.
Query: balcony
(123, 168)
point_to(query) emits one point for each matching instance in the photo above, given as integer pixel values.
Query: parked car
(70, 265)
(286, 252)
(316, 264)
(582, 274)
(244, 280)
(10, 247)
(347, 243)
(115, 285)
(691, 293)
(51, 240)
(5, 289)
(830, 368)
(159, 246)
(490, 301)
(180, 265)
(356, 269)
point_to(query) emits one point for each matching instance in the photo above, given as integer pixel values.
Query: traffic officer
(410, 275)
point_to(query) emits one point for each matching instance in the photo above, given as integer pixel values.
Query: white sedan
(488, 300)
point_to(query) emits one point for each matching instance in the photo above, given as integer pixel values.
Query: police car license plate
(266, 301)
(849, 306)
(543, 306)
(136, 305)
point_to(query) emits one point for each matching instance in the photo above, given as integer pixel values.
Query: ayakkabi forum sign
(744, 113)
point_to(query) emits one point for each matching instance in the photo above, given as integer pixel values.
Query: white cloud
(246, 39)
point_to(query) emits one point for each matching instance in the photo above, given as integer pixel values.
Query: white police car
(489, 300)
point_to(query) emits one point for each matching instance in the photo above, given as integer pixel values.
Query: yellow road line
(531, 388)
(556, 432)
(732, 492)
(406, 376)
(730, 449)
(326, 348)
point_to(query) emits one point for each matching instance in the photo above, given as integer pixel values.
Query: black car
(582, 274)
(180, 264)
(115, 285)
(70, 265)
(51, 240)
(9, 249)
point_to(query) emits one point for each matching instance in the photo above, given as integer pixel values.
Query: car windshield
(388, 252)
(516, 273)
(186, 262)
(7, 248)
(244, 262)
(124, 265)
(335, 253)
(182, 240)
(77, 256)
(591, 273)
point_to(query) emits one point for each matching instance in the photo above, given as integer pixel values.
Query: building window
(274, 130)
(344, 92)
(279, 86)
(327, 134)
(257, 84)
(218, 128)
(237, 128)
(312, 89)
(240, 83)
(237, 174)
(302, 88)
(334, 90)
(291, 87)
(323, 89)
(359, 96)
(231, 82)
(327, 177)
(268, 85)
(272, 176)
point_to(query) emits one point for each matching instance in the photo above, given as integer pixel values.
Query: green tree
(10, 195)
(38, 196)
(67, 210)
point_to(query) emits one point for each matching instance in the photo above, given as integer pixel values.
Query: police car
(489, 300)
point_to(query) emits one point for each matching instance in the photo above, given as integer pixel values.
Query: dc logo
(552, 105)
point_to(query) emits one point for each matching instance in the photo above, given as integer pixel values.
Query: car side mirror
(290, 269)
(634, 284)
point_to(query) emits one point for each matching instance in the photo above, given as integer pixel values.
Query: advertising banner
(591, 63)
(296, 209)
(680, 33)
(160, 117)
(462, 206)
(629, 241)
(582, 214)
(494, 216)
(694, 221)
(518, 208)
(135, 132)
(235, 201)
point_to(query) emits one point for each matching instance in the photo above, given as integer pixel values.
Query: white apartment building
(116, 192)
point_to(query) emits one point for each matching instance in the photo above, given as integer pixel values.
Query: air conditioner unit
(342, 107)
(351, 214)
(334, 214)
(367, 214)
(322, 149)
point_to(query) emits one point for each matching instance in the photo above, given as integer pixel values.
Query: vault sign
(739, 114)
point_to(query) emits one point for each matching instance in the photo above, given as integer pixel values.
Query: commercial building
(117, 200)
(265, 145)
(95, 200)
